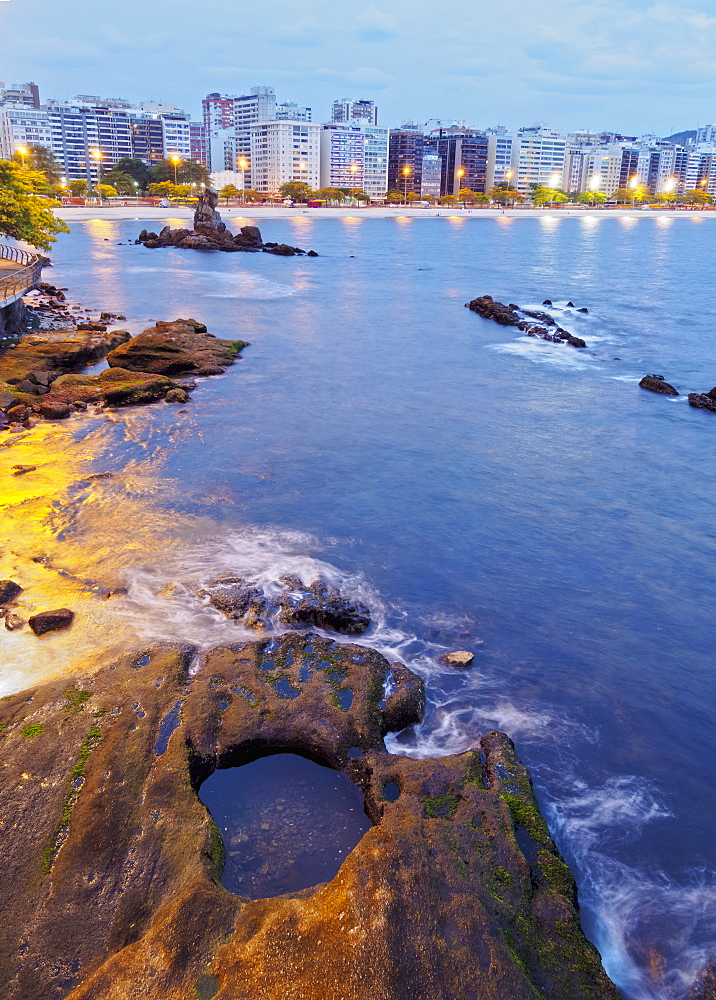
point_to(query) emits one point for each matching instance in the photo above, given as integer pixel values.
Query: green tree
(24, 216)
(394, 197)
(187, 172)
(505, 195)
(542, 195)
(42, 160)
(448, 199)
(106, 190)
(697, 198)
(358, 194)
(165, 189)
(622, 195)
(230, 191)
(429, 198)
(78, 188)
(136, 168)
(413, 196)
(124, 183)
(251, 195)
(591, 198)
(466, 196)
(666, 197)
(296, 191)
(482, 199)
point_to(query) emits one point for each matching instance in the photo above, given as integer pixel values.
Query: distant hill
(681, 138)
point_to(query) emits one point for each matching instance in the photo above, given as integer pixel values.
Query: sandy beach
(242, 212)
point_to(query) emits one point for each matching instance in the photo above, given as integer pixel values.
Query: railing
(21, 280)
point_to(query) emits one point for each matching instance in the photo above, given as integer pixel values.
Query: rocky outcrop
(316, 606)
(656, 383)
(513, 315)
(703, 400)
(210, 233)
(51, 621)
(182, 347)
(406, 705)
(459, 658)
(112, 865)
(9, 590)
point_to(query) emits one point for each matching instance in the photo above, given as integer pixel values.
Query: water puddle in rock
(287, 823)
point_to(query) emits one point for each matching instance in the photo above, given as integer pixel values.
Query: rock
(13, 622)
(321, 606)
(702, 401)
(120, 387)
(51, 621)
(175, 349)
(177, 396)
(540, 316)
(27, 386)
(21, 470)
(235, 598)
(438, 899)
(570, 305)
(9, 590)
(485, 306)
(311, 253)
(54, 410)
(281, 250)
(252, 233)
(406, 705)
(7, 400)
(704, 986)
(583, 310)
(18, 414)
(547, 302)
(656, 383)
(460, 658)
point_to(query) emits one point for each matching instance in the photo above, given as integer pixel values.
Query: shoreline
(143, 212)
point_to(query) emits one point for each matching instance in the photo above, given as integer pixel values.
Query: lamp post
(175, 160)
(460, 175)
(632, 185)
(243, 167)
(406, 174)
(23, 151)
(96, 154)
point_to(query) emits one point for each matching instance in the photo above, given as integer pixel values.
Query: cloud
(302, 33)
(373, 25)
(369, 78)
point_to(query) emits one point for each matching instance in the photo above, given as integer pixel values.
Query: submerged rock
(485, 306)
(406, 705)
(322, 606)
(703, 400)
(512, 315)
(9, 590)
(13, 622)
(51, 621)
(656, 383)
(460, 658)
(111, 880)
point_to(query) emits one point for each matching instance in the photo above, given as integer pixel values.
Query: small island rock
(51, 621)
(460, 658)
(656, 383)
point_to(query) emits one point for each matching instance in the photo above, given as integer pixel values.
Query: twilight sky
(633, 66)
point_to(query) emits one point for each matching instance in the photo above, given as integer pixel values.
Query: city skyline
(574, 66)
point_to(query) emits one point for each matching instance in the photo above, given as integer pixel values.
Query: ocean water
(478, 489)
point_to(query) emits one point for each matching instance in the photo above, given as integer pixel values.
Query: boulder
(235, 598)
(702, 401)
(120, 387)
(177, 396)
(281, 250)
(18, 414)
(176, 349)
(406, 705)
(13, 622)
(7, 400)
(460, 658)
(485, 306)
(51, 621)
(656, 383)
(9, 590)
(322, 606)
(52, 410)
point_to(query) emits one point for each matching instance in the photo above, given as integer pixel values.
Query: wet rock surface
(459, 658)
(180, 347)
(315, 606)
(209, 235)
(406, 705)
(657, 383)
(112, 865)
(513, 315)
(51, 621)
(9, 590)
(703, 400)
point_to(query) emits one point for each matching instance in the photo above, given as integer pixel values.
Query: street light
(554, 179)
(243, 167)
(406, 174)
(460, 175)
(176, 160)
(23, 151)
(96, 154)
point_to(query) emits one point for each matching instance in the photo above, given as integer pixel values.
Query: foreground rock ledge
(111, 863)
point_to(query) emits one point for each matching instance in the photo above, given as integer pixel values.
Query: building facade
(431, 176)
(405, 161)
(347, 111)
(464, 155)
(282, 151)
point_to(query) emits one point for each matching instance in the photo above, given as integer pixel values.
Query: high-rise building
(292, 112)
(197, 143)
(405, 160)
(499, 158)
(282, 151)
(375, 161)
(228, 121)
(431, 178)
(464, 158)
(22, 125)
(345, 110)
(703, 135)
(355, 155)
(25, 95)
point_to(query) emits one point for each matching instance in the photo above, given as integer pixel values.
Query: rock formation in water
(112, 866)
(512, 315)
(703, 400)
(40, 376)
(657, 383)
(210, 233)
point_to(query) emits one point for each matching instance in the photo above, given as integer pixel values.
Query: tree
(622, 195)
(188, 172)
(482, 199)
(24, 216)
(78, 188)
(42, 160)
(466, 196)
(295, 190)
(429, 198)
(136, 168)
(542, 195)
(697, 198)
(504, 195)
(413, 196)
(105, 190)
(124, 183)
(230, 191)
(393, 197)
(251, 195)
(448, 199)
(641, 193)
(591, 198)
(329, 194)
(359, 194)
(166, 189)
(666, 197)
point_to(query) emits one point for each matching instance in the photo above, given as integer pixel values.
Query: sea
(477, 488)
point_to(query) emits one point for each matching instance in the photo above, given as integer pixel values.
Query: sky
(624, 65)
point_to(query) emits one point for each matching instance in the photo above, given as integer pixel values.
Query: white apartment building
(375, 160)
(292, 112)
(706, 135)
(538, 157)
(499, 158)
(602, 169)
(345, 110)
(22, 125)
(355, 155)
(282, 151)
(176, 138)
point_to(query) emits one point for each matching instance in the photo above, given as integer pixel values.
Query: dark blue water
(482, 491)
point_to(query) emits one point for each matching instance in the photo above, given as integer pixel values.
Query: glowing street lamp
(96, 154)
(23, 151)
(243, 167)
(554, 179)
(670, 184)
(406, 174)
(176, 160)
